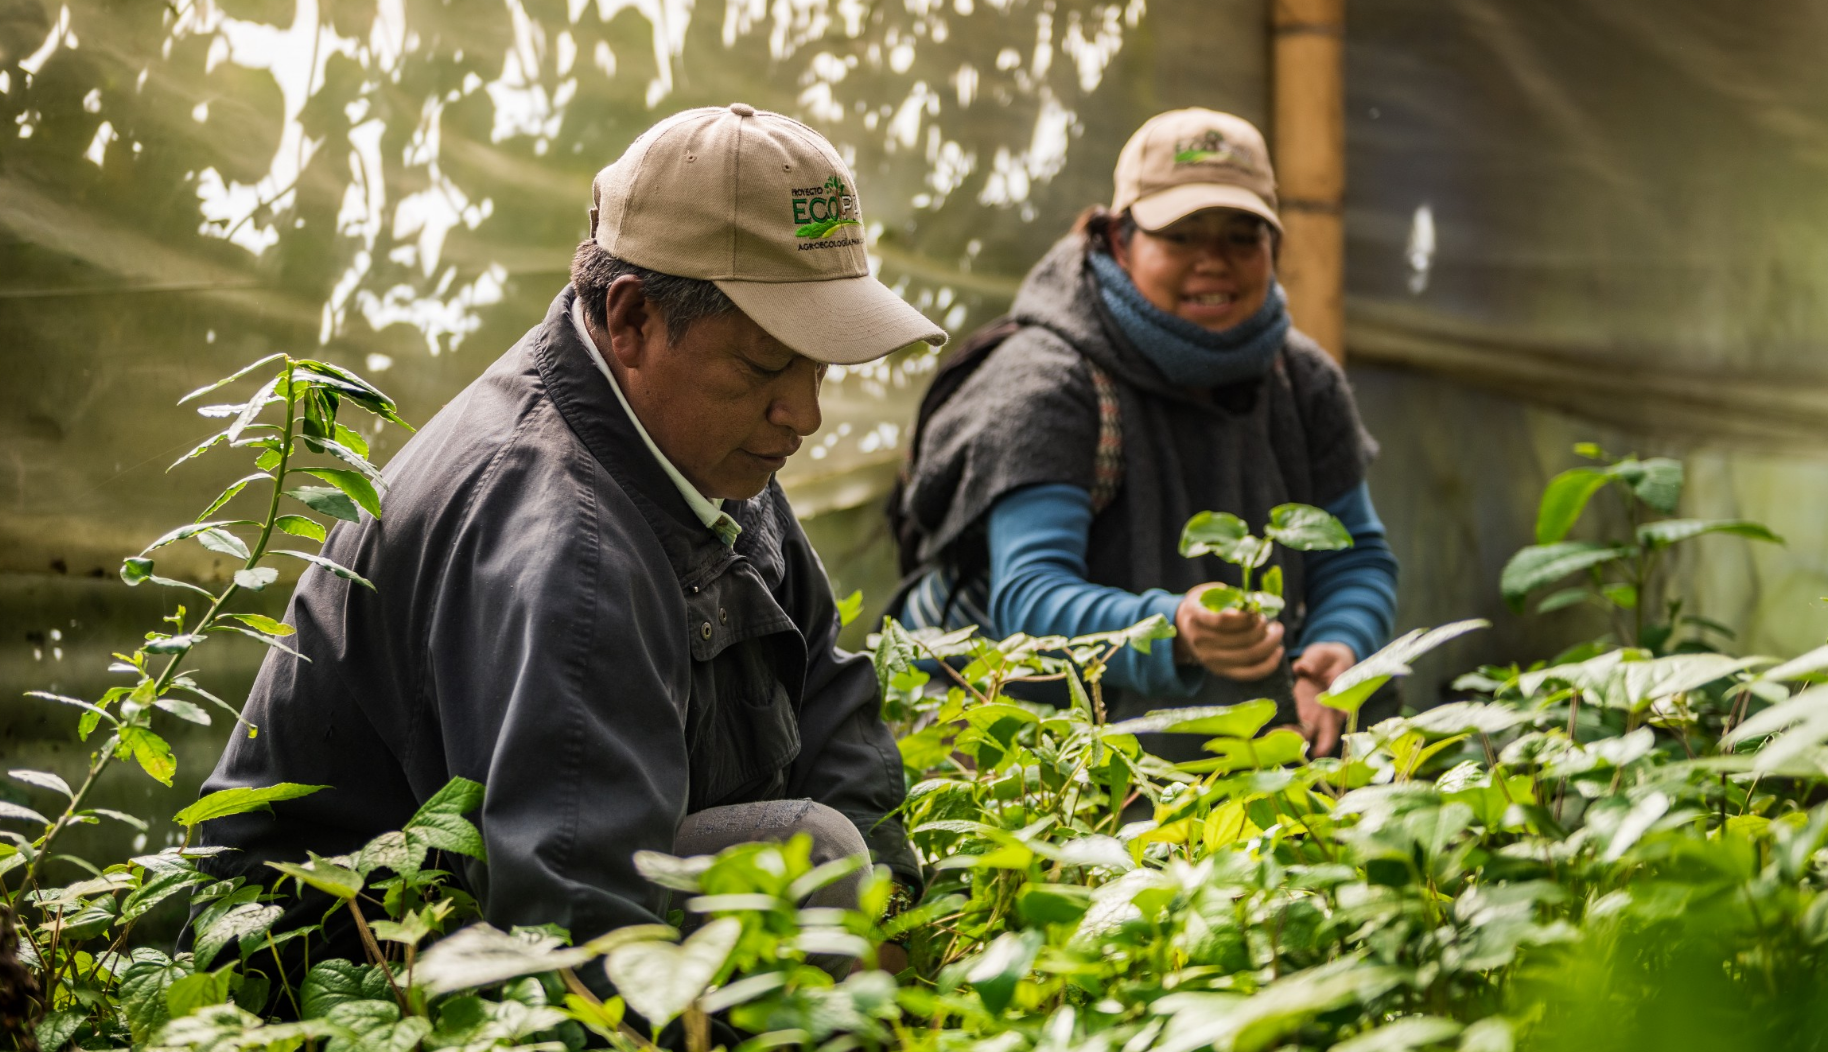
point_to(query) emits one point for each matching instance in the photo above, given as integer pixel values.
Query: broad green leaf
(54, 1031)
(660, 980)
(252, 409)
(1657, 481)
(481, 955)
(440, 822)
(183, 710)
(358, 390)
(299, 526)
(161, 644)
(1224, 597)
(262, 637)
(367, 471)
(679, 874)
(329, 984)
(142, 994)
(1235, 721)
(43, 780)
(150, 751)
(1403, 1035)
(263, 623)
(231, 378)
(352, 439)
(195, 528)
(1673, 531)
(159, 885)
(1306, 528)
(229, 494)
(1540, 565)
(200, 448)
(1278, 747)
(332, 879)
(10, 810)
(326, 500)
(62, 699)
(242, 921)
(1565, 598)
(1796, 668)
(135, 570)
(119, 816)
(895, 654)
(394, 850)
(1353, 687)
(1225, 535)
(352, 483)
(995, 972)
(1564, 499)
(226, 802)
(375, 1026)
(1272, 581)
(257, 578)
(849, 607)
(318, 560)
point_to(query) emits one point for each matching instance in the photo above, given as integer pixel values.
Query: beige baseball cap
(1182, 161)
(762, 206)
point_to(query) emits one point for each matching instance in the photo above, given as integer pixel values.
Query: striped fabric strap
(1107, 462)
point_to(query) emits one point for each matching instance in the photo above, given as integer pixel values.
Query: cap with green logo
(1183, 161)
(762, 206)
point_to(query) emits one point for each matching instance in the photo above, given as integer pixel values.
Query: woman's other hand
(1319, 665)
(1236, 644)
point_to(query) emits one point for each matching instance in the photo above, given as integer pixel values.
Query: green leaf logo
(824, 227)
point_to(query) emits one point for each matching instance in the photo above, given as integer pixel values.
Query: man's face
(726, 402)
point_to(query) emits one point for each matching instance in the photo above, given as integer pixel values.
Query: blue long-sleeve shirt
(1038, 537)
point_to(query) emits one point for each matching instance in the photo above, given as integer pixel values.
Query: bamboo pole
(1310, 154)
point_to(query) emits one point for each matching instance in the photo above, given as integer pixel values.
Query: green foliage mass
(1623, 849)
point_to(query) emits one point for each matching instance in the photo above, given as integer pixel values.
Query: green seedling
(1300, 527)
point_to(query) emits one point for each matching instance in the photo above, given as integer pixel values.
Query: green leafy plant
(1299, 527)
(1620, 573)
(1586, 854)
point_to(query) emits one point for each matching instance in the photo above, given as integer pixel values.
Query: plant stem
(374, 950)
(170, 671)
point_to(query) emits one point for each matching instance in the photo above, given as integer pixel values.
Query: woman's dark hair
(681, 302)
(1103, 228)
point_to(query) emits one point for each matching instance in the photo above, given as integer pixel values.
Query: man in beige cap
(590, 593)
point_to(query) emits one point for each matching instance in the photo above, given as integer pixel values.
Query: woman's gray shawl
(1030, 415)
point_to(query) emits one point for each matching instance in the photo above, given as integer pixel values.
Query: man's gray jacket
(550, 619)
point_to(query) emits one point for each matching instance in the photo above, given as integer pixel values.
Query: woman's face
(1212, 268)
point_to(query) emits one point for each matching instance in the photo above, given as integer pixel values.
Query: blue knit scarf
(1187, 354)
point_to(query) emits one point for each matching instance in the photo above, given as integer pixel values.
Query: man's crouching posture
(590, 593)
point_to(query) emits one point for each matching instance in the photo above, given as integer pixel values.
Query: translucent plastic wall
(1603, 220)
(399, 185)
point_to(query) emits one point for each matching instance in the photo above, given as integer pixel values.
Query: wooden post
(1309, 145)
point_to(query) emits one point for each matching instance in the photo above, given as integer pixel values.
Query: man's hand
(1235, 644)
(1315, 671)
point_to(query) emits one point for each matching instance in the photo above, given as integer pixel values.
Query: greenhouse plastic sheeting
(1607, 221)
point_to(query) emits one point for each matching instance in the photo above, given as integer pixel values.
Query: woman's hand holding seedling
(1234, 631)
(1315, 670)
(1234, 643)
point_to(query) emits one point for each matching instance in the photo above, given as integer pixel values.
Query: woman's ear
(1120, 249)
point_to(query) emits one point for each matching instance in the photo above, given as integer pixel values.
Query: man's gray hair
(682, 302)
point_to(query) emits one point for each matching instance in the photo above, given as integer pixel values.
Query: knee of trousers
(833, 835)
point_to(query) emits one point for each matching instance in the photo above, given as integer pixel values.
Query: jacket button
(704, 630)
(723, 616)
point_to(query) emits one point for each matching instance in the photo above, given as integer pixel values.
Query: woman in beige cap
(1148, 371)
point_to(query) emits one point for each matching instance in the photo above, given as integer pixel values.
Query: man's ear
(631, 322)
